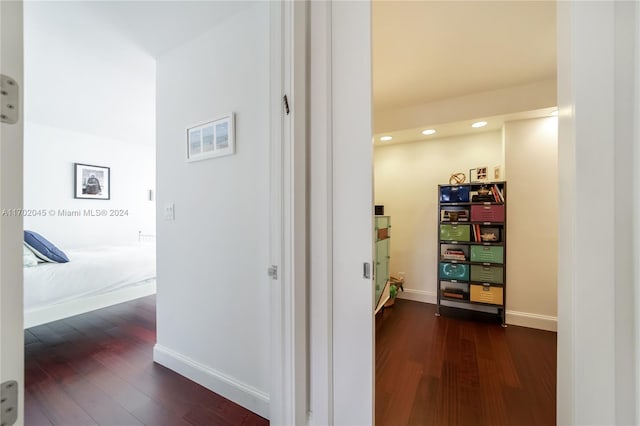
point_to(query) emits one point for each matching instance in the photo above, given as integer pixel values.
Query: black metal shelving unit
(472, 247)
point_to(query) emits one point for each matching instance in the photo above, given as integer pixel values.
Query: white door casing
(11, 137)
(288, 395)
(340, 214)
(352, 221)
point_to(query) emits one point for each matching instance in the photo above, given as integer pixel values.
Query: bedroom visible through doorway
(89, 162)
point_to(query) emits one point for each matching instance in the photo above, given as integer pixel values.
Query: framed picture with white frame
(215, 138)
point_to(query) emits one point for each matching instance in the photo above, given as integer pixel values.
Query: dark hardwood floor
(97, 368)
(450, 371)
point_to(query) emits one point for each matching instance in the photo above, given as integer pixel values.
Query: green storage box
(455, 232)
(454, 271)
(487, 274)
(487, 254)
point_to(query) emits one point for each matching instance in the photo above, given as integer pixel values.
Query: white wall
(406, 177)
(213, 289)
(406, 180)
(531, 148)
(83, 73)
(48, 185)
(527, 97)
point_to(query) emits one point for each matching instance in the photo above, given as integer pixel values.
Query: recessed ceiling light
(479, 124)
(386, 138)
(428, 132)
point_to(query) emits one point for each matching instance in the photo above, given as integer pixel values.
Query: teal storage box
(455, 232)
(487, 274)
(454, 271)
(487, 254)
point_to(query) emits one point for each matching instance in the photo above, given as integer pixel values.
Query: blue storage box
(454, 194)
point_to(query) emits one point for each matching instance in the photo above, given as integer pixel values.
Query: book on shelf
(498, 194)
(453, 293)
(494, 191)
(477, 233)
(454, 254)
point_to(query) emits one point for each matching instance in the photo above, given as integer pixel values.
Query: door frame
(339, 97)
(588, 33)
(11, 236)
(288, 217)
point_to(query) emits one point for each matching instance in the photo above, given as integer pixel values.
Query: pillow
(28, 258)
(43, 249)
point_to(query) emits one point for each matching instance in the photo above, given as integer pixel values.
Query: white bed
(93, 278)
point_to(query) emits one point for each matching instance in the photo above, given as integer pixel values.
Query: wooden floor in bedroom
(451, 371)
(97, 368)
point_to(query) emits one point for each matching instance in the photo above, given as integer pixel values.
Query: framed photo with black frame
(91, 182)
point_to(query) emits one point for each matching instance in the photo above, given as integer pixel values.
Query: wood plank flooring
(98, 369)
(450, 371)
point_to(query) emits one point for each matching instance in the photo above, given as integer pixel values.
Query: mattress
(90, 272)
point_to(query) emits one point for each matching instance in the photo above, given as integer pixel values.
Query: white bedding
(90, 272)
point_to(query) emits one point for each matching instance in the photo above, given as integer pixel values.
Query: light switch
(169, 212)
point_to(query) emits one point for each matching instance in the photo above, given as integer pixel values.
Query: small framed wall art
(91, 182)
(479, 174)
(215, 138)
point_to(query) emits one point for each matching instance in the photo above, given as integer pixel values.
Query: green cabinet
(382, 236)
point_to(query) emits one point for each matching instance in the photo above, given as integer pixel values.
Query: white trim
(11, 227)
(43, 315)
(280, 398)
(353, 331)
(523, 319)
(418, 295)
(320, 216)
(636, 214)
(526, 319)
(245, 395)
(288, 216)
(296, 218)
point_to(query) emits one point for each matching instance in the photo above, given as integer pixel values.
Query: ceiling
(159, 26)
(444, 130)
(425, 51)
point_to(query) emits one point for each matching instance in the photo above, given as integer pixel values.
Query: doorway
(579, 27)
(237, 209)
(434, 62)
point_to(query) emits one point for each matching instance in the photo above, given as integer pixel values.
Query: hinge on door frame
(9, 100)
(8, 403)
(286, 104)
(273, 272)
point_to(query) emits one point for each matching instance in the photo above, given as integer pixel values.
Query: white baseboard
(524, 319)
(418, 295)
(230, 388)
(43, 315)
